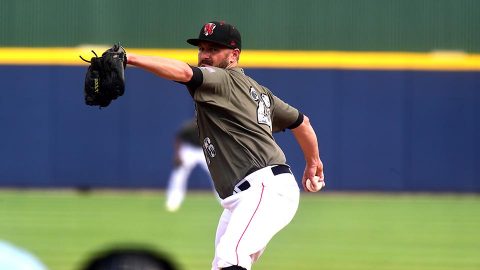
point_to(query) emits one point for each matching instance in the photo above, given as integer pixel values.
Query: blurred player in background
(188, 154)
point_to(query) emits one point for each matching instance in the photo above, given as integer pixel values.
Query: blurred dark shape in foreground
(130, 258)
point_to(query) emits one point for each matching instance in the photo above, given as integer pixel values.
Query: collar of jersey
(238, 69)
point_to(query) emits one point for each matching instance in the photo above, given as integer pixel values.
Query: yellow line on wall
(364, 60)
(448, 61)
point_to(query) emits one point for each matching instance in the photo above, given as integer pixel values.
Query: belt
(276, 170)
(279, 169)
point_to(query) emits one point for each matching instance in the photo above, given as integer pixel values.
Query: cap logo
(208, 29)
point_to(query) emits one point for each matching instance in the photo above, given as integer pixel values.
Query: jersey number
(263, 108)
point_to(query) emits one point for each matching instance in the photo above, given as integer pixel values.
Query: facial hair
(224, 63)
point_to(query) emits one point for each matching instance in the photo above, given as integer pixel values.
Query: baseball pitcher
(236, 117)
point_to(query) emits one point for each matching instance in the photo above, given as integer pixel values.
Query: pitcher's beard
(223, 64)
(205, 64)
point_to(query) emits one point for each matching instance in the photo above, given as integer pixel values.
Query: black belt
(279, 169)
(276, 170)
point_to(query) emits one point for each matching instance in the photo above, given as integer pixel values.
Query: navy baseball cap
(220, 33)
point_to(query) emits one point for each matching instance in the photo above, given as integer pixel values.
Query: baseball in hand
(310, 186)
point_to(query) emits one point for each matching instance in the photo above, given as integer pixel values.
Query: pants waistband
(276, 170)
(279, 169)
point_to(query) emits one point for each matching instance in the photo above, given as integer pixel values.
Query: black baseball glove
(105, 78)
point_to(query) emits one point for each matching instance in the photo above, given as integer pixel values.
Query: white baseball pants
(253, 216)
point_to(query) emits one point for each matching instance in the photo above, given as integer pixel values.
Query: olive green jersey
(236, 117)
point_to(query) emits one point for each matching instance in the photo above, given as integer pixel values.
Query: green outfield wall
(340, 25)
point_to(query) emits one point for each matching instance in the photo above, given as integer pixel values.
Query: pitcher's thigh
(255, 220)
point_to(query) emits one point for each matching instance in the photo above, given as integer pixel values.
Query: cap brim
(193, 41)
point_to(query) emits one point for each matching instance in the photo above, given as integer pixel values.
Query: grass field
(334, 231)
